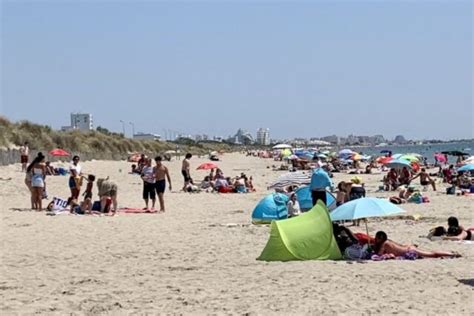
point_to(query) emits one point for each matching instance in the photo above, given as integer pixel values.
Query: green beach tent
(308, 236)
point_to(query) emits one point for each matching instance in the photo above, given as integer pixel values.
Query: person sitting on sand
(406, 192)
(456, 232)
(344, 236)
(249, 184)
(391, 180)
(405, 176)
(425, 179)
(383, 246)
(50, 169)
(293, 206)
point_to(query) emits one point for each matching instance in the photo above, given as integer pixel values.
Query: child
(341, 195)
(293, 206)
(90, 184)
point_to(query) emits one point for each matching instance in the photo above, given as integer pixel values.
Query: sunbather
(456, 232)
(383, 246)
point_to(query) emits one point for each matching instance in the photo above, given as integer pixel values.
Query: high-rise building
(82, 122)
(263, 136)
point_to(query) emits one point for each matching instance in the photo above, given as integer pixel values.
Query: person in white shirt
(75, 180)
(293, 206)
(149, 180)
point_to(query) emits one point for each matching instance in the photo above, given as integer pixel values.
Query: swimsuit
(186, 176)
(160, 186)
(37, 180)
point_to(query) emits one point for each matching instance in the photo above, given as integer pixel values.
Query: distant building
(399, 139)
(81, 121)
(263, 136)
(146, 136)
(333, 139)
(242, 137)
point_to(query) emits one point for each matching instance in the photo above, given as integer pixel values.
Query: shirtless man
(161, 172)
(24, 153)
(185, 171)
(425, 179)
(383, 246)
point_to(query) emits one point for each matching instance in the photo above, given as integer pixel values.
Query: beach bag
(356, 252)
(451, 190)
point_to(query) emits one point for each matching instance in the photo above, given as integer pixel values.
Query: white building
(263, 136)
(143, 136)
(81, 121)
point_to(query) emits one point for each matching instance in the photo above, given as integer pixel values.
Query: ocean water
(427, 151)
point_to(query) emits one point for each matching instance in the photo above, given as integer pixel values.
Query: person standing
(75, 179)
(24, 154)
(161, 174)
(148, 177)
(38, 174)
(185, 171)
(319, 182)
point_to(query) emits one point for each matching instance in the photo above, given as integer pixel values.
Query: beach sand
(199, 257)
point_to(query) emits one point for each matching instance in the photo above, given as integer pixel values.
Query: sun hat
(356, 180)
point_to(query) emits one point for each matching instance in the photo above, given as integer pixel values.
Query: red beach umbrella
(58, 152)
(207, 166)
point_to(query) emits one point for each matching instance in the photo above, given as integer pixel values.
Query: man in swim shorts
(383, 246)
(425, 179)
(24, 153)
(185, 171)
(161, 174)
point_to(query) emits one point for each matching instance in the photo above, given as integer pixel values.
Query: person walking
(320, 181)
(24, 155)
(148, 177)
(185, 171)
(161, 175)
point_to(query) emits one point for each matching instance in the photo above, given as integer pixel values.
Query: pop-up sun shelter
(272, 207)
(306, 237)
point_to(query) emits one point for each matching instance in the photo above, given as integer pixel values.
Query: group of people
(35, 179)
(218, 182)
(396, 178)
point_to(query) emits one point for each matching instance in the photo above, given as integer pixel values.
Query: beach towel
(130, 210)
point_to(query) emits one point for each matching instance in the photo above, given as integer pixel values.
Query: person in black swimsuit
(456, 232)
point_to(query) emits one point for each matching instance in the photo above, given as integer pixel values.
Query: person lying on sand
(456, 232)
(383, 246)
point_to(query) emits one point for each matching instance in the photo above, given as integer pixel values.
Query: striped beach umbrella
(291, 178)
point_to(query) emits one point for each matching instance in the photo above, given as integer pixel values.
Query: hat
(356, 180)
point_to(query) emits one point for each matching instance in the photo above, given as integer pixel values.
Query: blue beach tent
(272, 207)
(303, 195)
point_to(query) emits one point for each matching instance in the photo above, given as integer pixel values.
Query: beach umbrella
(365, 208)
(207, 166)
(396, 156)
(291, 178)
(345, 152)
(385, 151)
(292, 157)
(325, 152)
(454, 153)
(398, 164)
(410, 158)
(440, 157)
(58, 152)
(323, 156)
(357, 156)
(469, 160)
(282, 146)
(468, 167)
(383, 160)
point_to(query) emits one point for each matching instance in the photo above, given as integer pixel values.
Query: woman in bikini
(456, 232)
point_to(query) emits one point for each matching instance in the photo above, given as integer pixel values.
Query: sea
(427, 150)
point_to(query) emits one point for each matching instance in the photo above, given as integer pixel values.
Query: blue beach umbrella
(468, 167)
(398, 164)
(364, 208)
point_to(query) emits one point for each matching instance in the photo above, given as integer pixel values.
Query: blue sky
(300, 68)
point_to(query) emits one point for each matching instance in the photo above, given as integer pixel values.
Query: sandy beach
(200, 256)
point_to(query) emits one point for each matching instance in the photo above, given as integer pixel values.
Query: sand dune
(189, 260)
